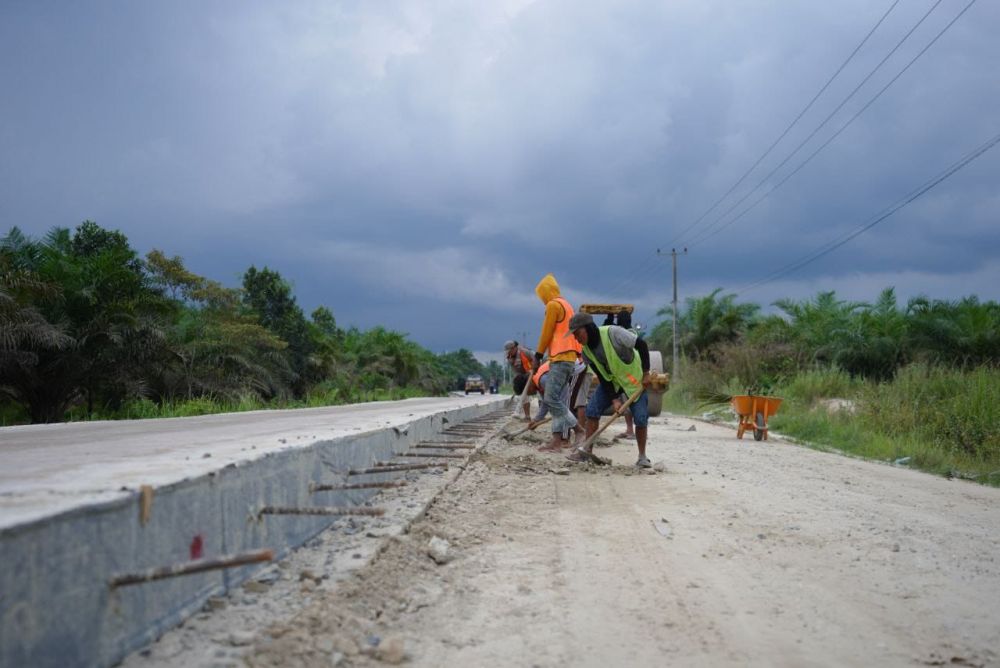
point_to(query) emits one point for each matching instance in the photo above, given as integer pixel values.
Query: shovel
(588, 444)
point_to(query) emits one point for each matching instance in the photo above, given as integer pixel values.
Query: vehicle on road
(474, 383)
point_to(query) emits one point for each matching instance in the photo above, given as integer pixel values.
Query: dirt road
(739, 553)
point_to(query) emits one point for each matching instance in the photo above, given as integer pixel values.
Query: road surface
(739, 553)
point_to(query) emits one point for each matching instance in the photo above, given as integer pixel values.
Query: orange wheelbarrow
(753, 411)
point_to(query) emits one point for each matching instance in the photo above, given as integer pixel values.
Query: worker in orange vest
(563, 351)
(521, 365)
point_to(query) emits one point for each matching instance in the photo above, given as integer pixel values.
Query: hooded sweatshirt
(548, 290)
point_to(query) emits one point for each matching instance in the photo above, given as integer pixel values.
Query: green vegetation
(89, 330)
(919, 384)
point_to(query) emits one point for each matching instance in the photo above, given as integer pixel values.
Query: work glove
(538, 359)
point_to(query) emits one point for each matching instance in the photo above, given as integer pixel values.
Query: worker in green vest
(621, 361)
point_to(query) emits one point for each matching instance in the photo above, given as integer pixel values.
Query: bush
(959, 411)
(809, 386)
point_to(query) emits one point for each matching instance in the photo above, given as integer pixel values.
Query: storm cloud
(421, 165)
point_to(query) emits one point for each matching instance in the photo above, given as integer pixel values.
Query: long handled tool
(517, 433)
(586, 446)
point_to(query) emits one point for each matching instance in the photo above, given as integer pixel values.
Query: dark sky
(421, 165)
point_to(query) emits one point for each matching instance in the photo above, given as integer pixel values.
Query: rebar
(392, 468)
(321, 510)
(190, 567)
(323, 487)
(445, 446)
(430, 454)
(390, 464)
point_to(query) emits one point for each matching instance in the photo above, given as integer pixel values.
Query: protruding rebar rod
(391, 464)
(323, 487)
(190, 567)
(321, 510)
(389, 467)
(458, 440)
(445, 446)
(430, 454)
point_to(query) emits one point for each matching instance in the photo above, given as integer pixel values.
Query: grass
(945, 421)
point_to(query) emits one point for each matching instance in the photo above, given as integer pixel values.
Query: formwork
(61, 542)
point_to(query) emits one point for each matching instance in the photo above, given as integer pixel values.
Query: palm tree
(706, 322)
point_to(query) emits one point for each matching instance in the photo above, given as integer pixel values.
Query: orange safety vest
(562, 339)
(537, 378)
(526, 360)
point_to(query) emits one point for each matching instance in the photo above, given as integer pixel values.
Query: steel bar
(391, 464)
(323, 487)
(456, 440)
(431, 454)
(189, 567)
(444, 446)
(321, 510)
(457, 443)
(391, 468)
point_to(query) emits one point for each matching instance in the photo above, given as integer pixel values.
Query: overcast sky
(421, 165)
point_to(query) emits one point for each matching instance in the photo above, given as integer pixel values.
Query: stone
(392, 650)
(660, 466)
(440, 551)
(692, 428)
(306, 574)
(255, 587)
(241, 638)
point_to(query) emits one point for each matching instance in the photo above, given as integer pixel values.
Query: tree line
(87, 326)
(871, 341)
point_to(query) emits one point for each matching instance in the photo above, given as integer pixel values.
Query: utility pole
(676, 361)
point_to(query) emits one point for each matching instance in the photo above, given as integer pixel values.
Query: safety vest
(537, 378)
(626, 376)
(526, 360)
(562, 340)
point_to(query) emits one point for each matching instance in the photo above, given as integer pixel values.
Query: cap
(580, 320)
(509, 345)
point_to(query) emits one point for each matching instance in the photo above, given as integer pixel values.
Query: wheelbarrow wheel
(759, 426)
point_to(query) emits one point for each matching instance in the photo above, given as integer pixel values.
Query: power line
(819, 127)
(831, 246)
(709, 232)
(790, 125)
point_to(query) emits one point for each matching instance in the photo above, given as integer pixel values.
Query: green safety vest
(626, 376)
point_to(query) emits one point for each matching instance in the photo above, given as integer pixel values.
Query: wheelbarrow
(753, 411)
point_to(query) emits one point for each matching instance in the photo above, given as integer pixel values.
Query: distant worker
(621, 361)
(574, 395)
(563, 351)
(521, 366)
(625, 322)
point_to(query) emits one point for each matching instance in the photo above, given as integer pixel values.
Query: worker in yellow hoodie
(563, 352)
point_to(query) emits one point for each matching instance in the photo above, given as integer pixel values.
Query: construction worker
(521, 366)
(574, 394)
(563, 351)
(621, 361)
